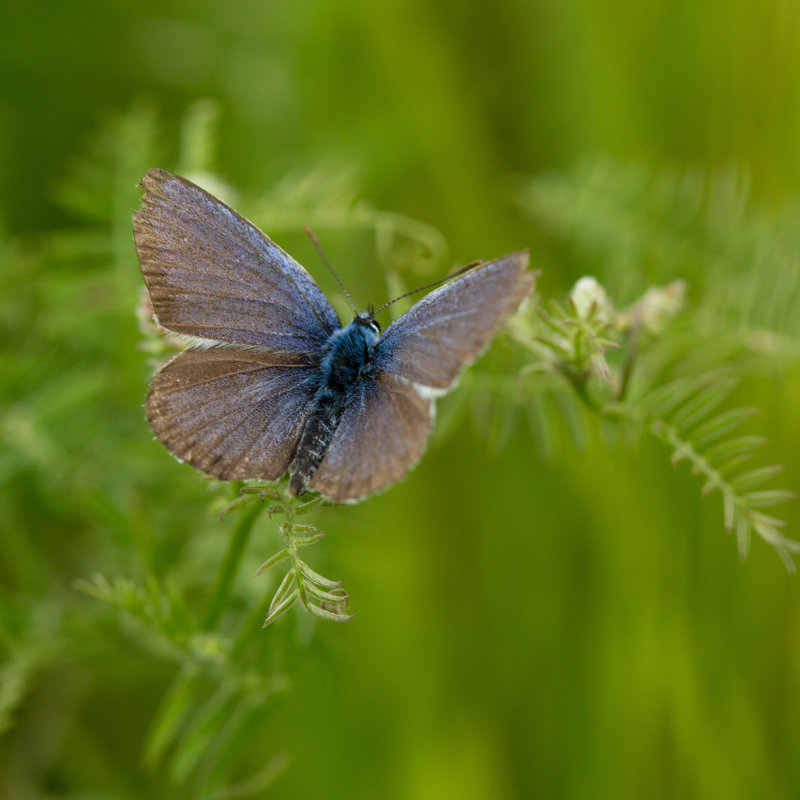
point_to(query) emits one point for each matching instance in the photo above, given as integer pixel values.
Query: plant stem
(295, 555)
(227, 569)
(630, 358)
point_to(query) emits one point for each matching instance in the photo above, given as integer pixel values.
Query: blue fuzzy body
(347, 355)
(347, 358)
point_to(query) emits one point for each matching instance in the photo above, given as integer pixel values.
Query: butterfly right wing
(383, 431)
(213, 274)
(446, 330)
(234, 413)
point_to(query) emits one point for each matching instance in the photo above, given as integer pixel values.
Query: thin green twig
(227, 569)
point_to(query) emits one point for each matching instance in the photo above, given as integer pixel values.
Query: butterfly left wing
(213, 274)
(233, 413)
(446, 330)
(380, 437)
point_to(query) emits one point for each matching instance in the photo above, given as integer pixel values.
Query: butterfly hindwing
(381, 435)
(231, 412)
(213, 274)
(446, 330)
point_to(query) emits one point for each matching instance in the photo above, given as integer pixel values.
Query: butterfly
(272, 380)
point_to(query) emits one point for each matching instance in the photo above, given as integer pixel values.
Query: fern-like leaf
(681, 414)
(320, 596)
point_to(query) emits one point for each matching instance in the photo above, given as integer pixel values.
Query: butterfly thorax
(347, 358)
(348, 353)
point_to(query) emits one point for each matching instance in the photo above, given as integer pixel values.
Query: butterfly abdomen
(316, 439)
(346, 360)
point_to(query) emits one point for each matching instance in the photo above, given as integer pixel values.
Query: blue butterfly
(272, 380)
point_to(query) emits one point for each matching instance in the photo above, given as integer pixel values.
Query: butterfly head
(367, 319)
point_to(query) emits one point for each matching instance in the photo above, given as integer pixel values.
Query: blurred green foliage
(541, 609)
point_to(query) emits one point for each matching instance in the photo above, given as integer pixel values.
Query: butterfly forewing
(380, 437)
(446, 330)
(230, 412)
(214, 275)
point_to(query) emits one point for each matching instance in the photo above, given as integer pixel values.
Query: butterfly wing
(380, 437)
(212, 274)
(446, 330)
(233, 413)
(383, 431)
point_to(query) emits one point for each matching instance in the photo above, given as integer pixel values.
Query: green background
(576, 626)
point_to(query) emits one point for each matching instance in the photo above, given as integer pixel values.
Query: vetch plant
(686, 413)
(657, 364)
(319, 595)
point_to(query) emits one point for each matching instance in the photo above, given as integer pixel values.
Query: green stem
(630, 358)
(227, 570)
(294, 553)
(580, 383)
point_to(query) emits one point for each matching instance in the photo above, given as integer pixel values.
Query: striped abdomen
(316, 438)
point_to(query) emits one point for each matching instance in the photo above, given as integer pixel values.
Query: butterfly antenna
(446, 278)
(325, 261)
